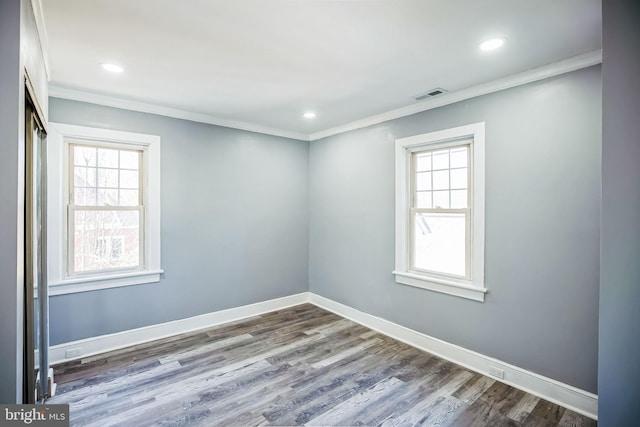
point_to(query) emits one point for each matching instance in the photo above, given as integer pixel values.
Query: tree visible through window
(106, 211)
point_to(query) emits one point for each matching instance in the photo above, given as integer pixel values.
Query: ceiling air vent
(433, 92)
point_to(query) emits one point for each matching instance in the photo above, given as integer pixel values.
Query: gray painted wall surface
(19, 50)
(10, 203)
(543, 144)
(619, 352)
(234, 224)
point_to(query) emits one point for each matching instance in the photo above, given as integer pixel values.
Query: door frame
(35, 251)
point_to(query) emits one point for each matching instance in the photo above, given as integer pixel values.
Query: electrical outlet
(496, 372)
(73, 352)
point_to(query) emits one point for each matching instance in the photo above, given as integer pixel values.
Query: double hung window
(440, 211)
(104, 208)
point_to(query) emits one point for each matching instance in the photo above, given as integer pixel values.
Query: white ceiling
(262, 63)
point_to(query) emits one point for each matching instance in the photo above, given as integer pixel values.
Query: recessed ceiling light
(491, 44)
(113, 68)
(309, 115)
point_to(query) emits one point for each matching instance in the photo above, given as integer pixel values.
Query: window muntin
(441, 210)
(105, 209)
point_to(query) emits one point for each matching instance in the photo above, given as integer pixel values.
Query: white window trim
(58, 188)
(472, 289)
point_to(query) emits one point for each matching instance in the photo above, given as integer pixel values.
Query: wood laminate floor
(298, 366)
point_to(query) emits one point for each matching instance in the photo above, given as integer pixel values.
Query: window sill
(442, 285)
(94, 283)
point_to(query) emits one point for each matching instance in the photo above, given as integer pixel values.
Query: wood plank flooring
(298, 366)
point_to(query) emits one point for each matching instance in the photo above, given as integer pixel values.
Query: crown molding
(565, 66)
(111, 101)
(551, 70)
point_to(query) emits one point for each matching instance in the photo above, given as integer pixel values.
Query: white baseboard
(577, 400)
(570, 397)
(103, 343)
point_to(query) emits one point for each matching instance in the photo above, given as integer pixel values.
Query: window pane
(441, 159)
(129, 159)
(459, 199)
(129, 198)
(423, 162)
(84, 156)
(439, 243)
(116, 244)
(107, 158)
(441, 199)
(459, 178)
(94, 236)
(84, 177)
(459, 157)
(107, 197)
(423, 199)
(79, 176)
(84, 196)
(107, 178)
(129, 179)
(441, 180)
(423, 181)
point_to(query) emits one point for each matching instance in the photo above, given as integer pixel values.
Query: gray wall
(619, 352)
(19, 50)
(235, 221)
(543, 158)
(11, 170)
(234, 224)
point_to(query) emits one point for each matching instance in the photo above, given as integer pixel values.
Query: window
(105, 209)
(104, 206)
(440, 211)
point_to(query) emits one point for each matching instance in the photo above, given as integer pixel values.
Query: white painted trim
(577, 400)
(94, 283)
(126, 104)
(471, 287)
(41, 29)
(109, 135)
(441, 285)
(568, 396)
(565, 66)
(557, 68)
(104, 343)
(58, 186)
